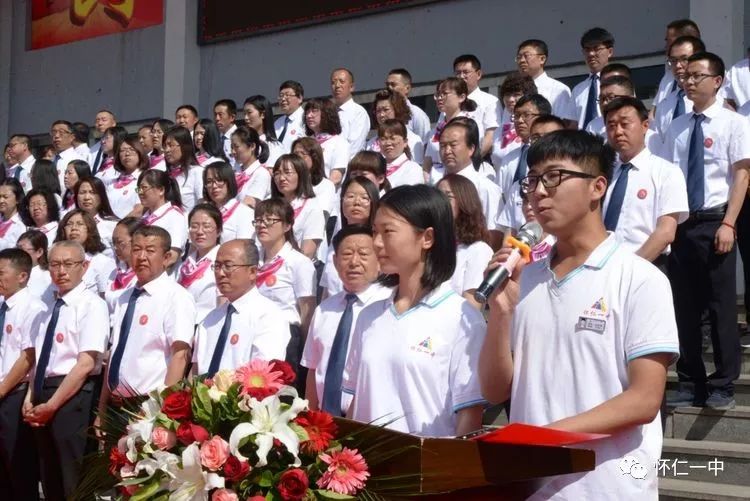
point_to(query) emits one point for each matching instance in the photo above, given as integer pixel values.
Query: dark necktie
(674, 86)
(97, 160)
(522, 166)
(3, 309)
(695, 166)
(283, 131)
(679, 107)
(337, 360)
(17, 172)
(213, 367)
(616, 198)
(113, 376)
(41, 365)
(591, 102)
(56, 159)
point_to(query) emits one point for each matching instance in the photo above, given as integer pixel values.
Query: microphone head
(530, 233)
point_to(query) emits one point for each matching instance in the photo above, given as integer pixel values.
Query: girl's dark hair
(83, 171)
(458, 86)
(16, 188)
(278, 207)
(329, 116)
(96, 184)
(211, 139)
(53, 211)
(470, 223)
(396, 128)
(250, 138)
(38, 241)
(187, 152)
(372, 192)
(313, 149)
(224, 172)
(44, 176)
(426, 207)
(165, 125)
(93, 243)
(119, 134)
(133, 142)
(264, 107)
(304, 185)
(370, 161)
(213, 213)
(160, 179)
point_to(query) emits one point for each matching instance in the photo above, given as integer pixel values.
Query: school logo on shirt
(143, 320)
(424, 346)
(59, 337)
(708, 142)
(234, 339)
(642, 194)
(600, 306)
(594, 318)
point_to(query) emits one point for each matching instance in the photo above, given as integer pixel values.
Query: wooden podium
(510, 463)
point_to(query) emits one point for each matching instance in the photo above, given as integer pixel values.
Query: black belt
(56, 381)
(21, 387)
(712, 214)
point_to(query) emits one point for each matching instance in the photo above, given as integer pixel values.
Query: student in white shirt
(162, 204)
(675, 29)
(110, 146)
(285, 276)
(207, 142)
(78, 226)
(531, 58)
(225, 113)
(104, 120)
(123, 276)
(514, 87)
(311, 153)
(468, 68)
(74, 172)
(40, 211)
(291, 181)
(186, 116)
(256, 327)
(591, 316)
(250, 153)
(11, 225)
(35, 244)
(91, 197)
(62, 140)
(122, 192)
(194, 273)
(290, 126)
(322, 123)
(259, 116)
(182, 166)
(328, 341)
(597, 45)
(158, 129)
(355, 121)
(423, 336)
(399, 80)
(20, 148)
(21, 314)
(220, 189)
(473, 252)
(389, 105)
(738, 83)
(401, 168)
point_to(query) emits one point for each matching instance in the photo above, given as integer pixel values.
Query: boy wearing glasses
(581, 340)
(597, 45)
(290, 126)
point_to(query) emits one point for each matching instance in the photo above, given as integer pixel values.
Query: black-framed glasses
(697, 77)
(266, 222)
(673, 61)
(605, 98)
(551, 179)
(228, 268)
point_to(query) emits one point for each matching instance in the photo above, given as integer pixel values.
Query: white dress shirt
(237, 221)
(558, 95)
(23, 323)
(24, 174)
(355, 125)
(738, 82)
(295, 279)
(97, 275)
(122, 193)
(295, 129)
(580, 96)
(171, 218)
(487, 106)
(191, 186)
(419, 123)
(63, 159)
(10, 230)
(665, 111)
(254, 181)
(336, 152)
(489, 194)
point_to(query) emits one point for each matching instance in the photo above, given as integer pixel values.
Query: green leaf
(326, 494)
(202, 405)
(147, 492)
(266, 479)
(302, 435)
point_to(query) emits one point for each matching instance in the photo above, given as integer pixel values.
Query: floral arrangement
(243, 435)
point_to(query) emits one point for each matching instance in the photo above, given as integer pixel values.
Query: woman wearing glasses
(160, 197)
(400, 167)
(122, 191)
(220, 189)
(39, 211)
(91, 197)
(195, 274)
(390, 105)
(285, 275)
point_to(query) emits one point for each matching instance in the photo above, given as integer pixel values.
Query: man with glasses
(468, 68)
(621, 87)
(248, 325)
(20, 151)
(69, 347)
(675, 29)
(62, 141)
(597, 45)
(290, 126)
(711, 145)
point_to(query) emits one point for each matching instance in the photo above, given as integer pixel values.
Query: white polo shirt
(419, 123)
(487, 108)
(413, 141)
(23, 323)
(738, 82)
(295, 129)
(655, 188)
(237, 221)
(336, 152)
(197, 277)
(558, 95)
(226, 140)
(253, 181)
(294, 279)
(489, 194)
(418, 367)
(10, 230)
(471, 263)
(107, 171)
(82, 325)
(164, 314)
(309, 222)
(122, 193)
(191, 186)
(572, 341)
(726, 140)
(355, 125)
(330, 279)
(171, 218)
(97, 275)
(93, 152)
(24, 175)
(580, 96)
(258, 330)
(665, 112)
(323, 327)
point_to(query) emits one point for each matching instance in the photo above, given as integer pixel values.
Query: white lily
(216, 394)
(159, 460)
(191, 482)
(142, 428)
(268, 421)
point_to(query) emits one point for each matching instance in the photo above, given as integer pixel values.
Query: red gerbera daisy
(320, 429)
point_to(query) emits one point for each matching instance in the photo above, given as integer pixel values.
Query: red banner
(56, 22)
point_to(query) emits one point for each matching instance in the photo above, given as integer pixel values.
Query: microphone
(528, 236)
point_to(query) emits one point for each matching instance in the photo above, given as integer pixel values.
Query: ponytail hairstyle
(458, 86)
(263, 105)
(160, 179)
(250, 138)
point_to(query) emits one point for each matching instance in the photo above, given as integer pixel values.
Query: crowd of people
(202, 243)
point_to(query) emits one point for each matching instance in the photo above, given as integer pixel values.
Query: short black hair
(549, 119)
(295, 86)
(403, 73)
(18, 259)
(539, 45)
(696, 43)
(81, 132)
(229, 103)
(715, 63)
(425, 207)
(597, 36)
(625, 102)
(685, 27)
(63, 122)
(538, 100)
(618, 80)
(53, 210)
(348, 231)
(616, 68)
(471, 134)
(587, 150)
(155, 231)
(468, 58)
(188, 107)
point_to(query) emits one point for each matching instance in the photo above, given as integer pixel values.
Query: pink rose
(163, 438)
(214, 453)
(224, 495)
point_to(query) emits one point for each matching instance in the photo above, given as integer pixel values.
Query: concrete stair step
(706, 461)
(708, 359)
(741, 387)
(671, 489)
(702, 423)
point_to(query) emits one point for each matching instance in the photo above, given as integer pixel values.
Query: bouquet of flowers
(241, 435)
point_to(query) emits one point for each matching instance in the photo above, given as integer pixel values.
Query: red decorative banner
(57, 22)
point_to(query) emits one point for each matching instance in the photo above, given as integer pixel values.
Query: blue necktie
(283, 131)
(41, 365)
(97, 159)
(679, 108)
(674, 86)
(213, 367)
(3, 309)
(17, 172)
(695, 166)
(591, 102)
(616, 198)
(522, 166)
(337, 360)
(113, 376)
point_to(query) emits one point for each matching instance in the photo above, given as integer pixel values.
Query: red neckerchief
(174, 171)
(123, 180)
(226, 213)
(298, 210)
(155, 159)
(190, 272)
(242, 177)
(508, 135)
(393, 168)
(540, 251)
(201, 157)
(438, 130)
(69, 199)
(106, 164)
(151, 218)
(267, 270)
(122, 279)
(5, 226)
(322, 137)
